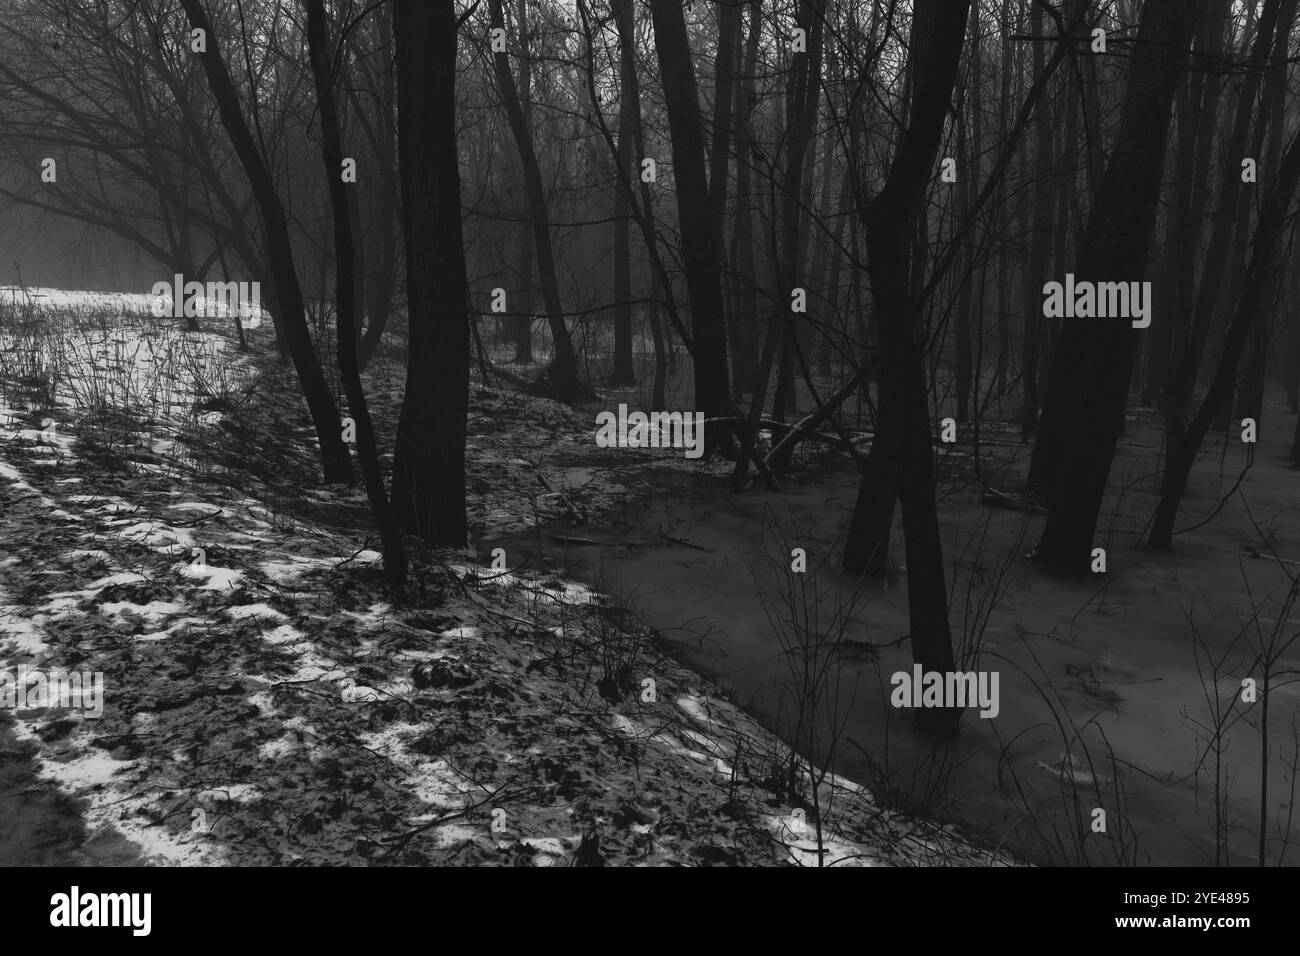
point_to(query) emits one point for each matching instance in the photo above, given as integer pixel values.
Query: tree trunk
(429, 466)
(1092, 367)
(904, 427)
(745, 311)
(802, 97)
(563, 370)
(1189, 347)
(383, 274)
(701, 248)
(335, 461)
(1036, 268)
(346, 298)
(623, 372)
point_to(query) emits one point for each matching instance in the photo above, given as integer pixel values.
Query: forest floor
(266, 701)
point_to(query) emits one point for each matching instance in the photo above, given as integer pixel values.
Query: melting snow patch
(93, 769)
(122, 577)
(291, 570)
(152, 612)
(624, 725)
(468, 633)
(279, 748)
(233, 793)
(244, 611)
(696, 707)
(284, 634)
(21, 633)
(213, 578)
(97, 553)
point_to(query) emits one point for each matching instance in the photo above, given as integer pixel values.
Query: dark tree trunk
(658, 399)
(967, 175)
(335, 461)
(701, 246)
(628, 108)
(429, 466)
(1190, 345)
(745, 309)
(383, 274)
(801, 99)
(1251, 309)
(563, 370)
(521, 325)
(1293, 334)
(1250, 398)
(1092, 367)
(346, 298)
(1036, 268)
(903, 421)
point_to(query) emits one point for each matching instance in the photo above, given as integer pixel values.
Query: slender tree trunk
(745, 313)
(383, 275)
(1250, 398)
(335, 461)
(521, 325)
(346, 297)
(968, 173)
(1189, 347)
(658, 400)
(1182, 238)
(563, 370)
(1257, 289)
(1036, 268)
(1293, 334)
(623, 372)
(802, 99)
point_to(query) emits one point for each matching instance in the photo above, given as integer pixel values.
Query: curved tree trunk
(903, 436)
(335, 461)
(345, 268)
(563, 371)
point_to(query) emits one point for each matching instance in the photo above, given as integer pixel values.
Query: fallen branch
(667, 537)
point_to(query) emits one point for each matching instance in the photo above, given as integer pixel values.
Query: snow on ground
(267, 702)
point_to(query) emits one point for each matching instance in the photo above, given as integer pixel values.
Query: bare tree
(322, 67)
(429, 465)
(335, 460)
(1092, 368)
(901, 462)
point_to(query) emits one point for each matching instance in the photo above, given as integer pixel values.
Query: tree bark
(701, 247)
(903, 420)
(563, 370)
(429, 465)
(1037, 265)
(335, 461)
(623, 372)
(1092, 367)
(345, 269)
